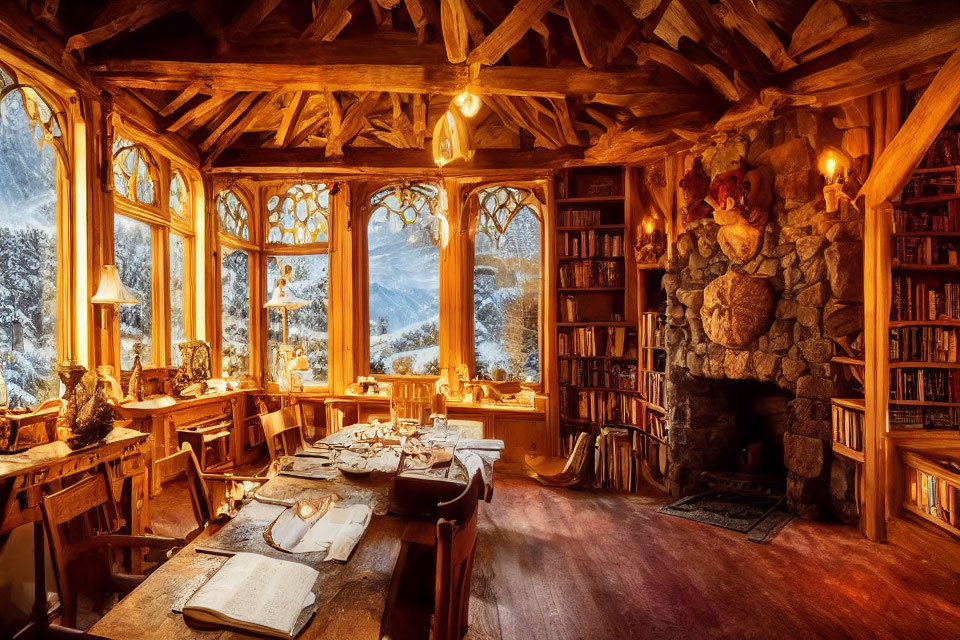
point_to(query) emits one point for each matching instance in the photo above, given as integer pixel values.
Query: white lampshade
(111, 289)
(283, 300)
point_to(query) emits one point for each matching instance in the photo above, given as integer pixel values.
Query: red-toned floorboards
(561, 564)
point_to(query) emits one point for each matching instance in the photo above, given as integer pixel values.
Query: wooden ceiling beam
(182, 98)
(422, 13)
(354, 119)
(444, 79)
(118, 16)
(252, 15)
(454, 26)
(290, 118)
(590, 38)
(508, 33)
(364, 160)
(234, 131)
(198, 111)
(331, 20)
(742, 15)
(232, 115)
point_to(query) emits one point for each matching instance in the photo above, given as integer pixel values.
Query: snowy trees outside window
(235, 309)
(407, 226)
(28, 244)
(307, 326)
(135, 173)
(177, 293)
(506, 285)
(179, 196)
(300, 215)
(233, 216)
(133, 254)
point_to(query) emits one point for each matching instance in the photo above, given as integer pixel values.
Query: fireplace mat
(760, 515)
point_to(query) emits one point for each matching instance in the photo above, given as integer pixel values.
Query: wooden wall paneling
(343, 302)
(632, 214)
(548, 311)
(359, 214)
(211, 274)
(456, 282)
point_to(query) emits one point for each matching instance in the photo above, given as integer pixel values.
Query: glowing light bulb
(648, 227)
(468, 103)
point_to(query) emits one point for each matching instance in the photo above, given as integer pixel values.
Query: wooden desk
(163, 422)
(26, 477)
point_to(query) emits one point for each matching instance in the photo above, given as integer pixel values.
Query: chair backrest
(412, 400)
(281, 430)
(184, 463)
(578, 457)
(456, 546)
(71, 516)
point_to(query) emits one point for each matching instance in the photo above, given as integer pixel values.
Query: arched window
(135, 172)
(30, 140)
(133, 255)
(179, 196)
(506, 285)
(299, 216)
(406, 229)
(233, 216)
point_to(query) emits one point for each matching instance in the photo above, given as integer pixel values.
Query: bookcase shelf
(598, 352)
(920, 441)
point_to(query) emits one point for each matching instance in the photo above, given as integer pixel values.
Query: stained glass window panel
(506, 285)
(299, 216)
(28, 256)
(235, 311)
(133, 253)
(233, 216)
(406, 229)
(179, 205)
(308, 326)
(134, 172)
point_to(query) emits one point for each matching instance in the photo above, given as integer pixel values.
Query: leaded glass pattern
(235, 311)
(299, 216)
(133, 254)
(232, 213)
(506, 284)
(179, 195)
(135, 173)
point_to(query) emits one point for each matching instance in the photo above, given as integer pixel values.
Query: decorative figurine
(135, 386)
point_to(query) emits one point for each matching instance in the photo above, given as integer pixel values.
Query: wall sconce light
(833, 166)
(111, 289)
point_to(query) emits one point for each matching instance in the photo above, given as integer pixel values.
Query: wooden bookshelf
(597, 351)
(920, 437)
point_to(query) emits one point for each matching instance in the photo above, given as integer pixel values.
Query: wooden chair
(412, 400)
(281, 429)
(456, 547)
(560, 472)
(83, 525)
(208, 491)
(423, 536)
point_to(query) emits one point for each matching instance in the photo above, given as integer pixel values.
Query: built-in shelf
(612, 289)
(926, 234)
(952, 167)
(581, 258)
(924, 403)
(913, 202)
(905, 364)
(598, 323)
(923, 323)
(591, 227)
(590, 199)
(927, 267)
(569, 357)
(857, 362)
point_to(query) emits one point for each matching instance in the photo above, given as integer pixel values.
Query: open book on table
(255, 593)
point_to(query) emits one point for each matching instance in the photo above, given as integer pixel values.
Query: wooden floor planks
(556, 564)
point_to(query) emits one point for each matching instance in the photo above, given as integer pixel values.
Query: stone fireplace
(753, 315)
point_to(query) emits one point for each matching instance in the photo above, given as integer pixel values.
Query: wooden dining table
(351, 596)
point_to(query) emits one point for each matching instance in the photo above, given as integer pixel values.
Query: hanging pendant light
(468, 103)
(451, 139)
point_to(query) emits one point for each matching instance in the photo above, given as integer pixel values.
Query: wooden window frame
(59, 98)
(256, 267)
(364, 325)
(162, 222)
(271, 249)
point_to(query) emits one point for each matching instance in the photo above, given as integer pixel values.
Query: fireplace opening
(760, 415)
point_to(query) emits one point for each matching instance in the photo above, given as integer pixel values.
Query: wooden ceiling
(325, 83)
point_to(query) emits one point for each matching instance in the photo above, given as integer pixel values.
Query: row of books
(925, 385)
(943, 217)
(918, 301)
(656, 425)
(593, 341)
(599, 406)
(652, 330)
(848, 427)
(591, 273)
(926, 250)
(933, 495)
(615, 464)
(590, 244)
(597, 373)
(911, 417)
(931, 185)
(653, 387)
(923, 344)
(578, 217)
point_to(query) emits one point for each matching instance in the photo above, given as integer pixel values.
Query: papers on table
(336, 531)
